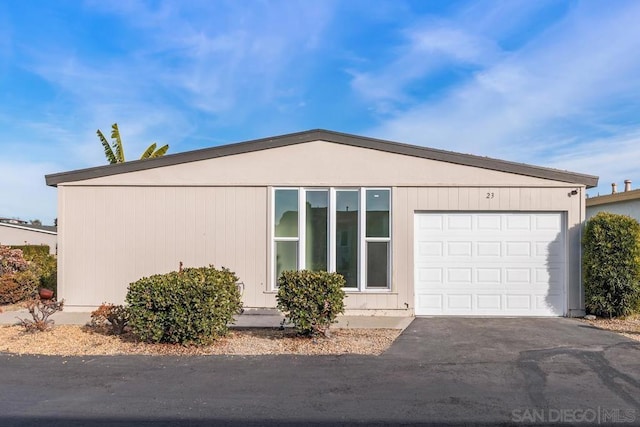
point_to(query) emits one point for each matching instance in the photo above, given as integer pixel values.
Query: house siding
(624, 207)
(116, 235)
(115, 229)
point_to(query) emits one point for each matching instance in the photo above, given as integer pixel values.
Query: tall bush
(193, 306)
(611, 264)
(11, 260)
(311, 300)
(18, 280)
(45, 267)
(30, 250)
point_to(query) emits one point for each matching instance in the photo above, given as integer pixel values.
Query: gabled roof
(47, 229)
(329, 136)
(623, 196)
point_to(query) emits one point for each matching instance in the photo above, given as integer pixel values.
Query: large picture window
(346, 230)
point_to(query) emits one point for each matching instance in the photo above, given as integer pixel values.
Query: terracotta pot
(46, 293)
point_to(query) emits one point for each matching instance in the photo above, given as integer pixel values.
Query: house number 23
(490, 195)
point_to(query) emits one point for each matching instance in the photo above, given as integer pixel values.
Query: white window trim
(331, 232)
(364, 240)
(274, 239)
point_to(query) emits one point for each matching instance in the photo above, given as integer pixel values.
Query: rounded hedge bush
(611, 264)
(193, 306)
(18, 277)
(311, 300)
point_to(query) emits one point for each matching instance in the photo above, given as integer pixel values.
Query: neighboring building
(624, 203)
(413, 230)
(14, 221)
(15, 232)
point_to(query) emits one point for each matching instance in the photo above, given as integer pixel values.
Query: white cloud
(220, 56)
(524, 104)
(220, 60)
(611, 159)
(429, 47)
(182, 70)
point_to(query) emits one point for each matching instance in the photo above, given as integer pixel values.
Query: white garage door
(504, 264)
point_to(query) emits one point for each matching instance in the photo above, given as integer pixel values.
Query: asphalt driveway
(440, 371)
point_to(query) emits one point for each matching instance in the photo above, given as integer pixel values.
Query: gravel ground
(73, 340)
(628, 326)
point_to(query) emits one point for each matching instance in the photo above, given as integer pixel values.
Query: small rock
(590, 317)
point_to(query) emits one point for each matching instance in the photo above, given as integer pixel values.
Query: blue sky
(551, 83)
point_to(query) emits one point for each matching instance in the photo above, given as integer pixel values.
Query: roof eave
(28, 228)
(625, 196)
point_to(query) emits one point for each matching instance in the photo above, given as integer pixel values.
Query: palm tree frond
(148, 152)
(160, 151)
(108, 152)
(114, 152)
(117, 143)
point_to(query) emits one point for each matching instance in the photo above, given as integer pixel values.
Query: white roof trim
(22, 227)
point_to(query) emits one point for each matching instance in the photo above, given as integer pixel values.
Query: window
(346, 230)
(378, 238)
(316, 230)
(286, 230)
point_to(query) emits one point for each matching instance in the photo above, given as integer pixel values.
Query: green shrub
(611, 264)
(193, 306)
(311, 300)
(45, 267)
(32, 250)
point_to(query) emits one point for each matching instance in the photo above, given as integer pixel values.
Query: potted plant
(45, 293)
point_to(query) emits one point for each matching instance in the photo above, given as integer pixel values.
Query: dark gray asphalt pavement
(441, 371)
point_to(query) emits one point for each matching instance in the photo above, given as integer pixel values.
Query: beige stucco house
(19, 233)
(415, 231)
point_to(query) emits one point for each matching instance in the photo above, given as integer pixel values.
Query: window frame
(363, 240)
(275, 239)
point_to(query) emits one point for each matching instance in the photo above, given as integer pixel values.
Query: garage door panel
(489, 275)
(430, 249)
(519, 222)
(551, 275)
(431, 222)
(489, 222)
(489, 249)
(459, 275)
(548, 249)
(548, 222)
(517, 249)
(459, 248)
(489, 302)
(459, 302)
(459, 222)
(518, 276)
(542, 303)
(490, 264)
(518, 302)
